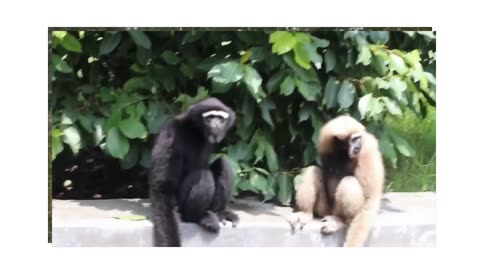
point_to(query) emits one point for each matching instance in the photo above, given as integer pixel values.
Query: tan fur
(341, 127)
(349, 198)
(357, 199)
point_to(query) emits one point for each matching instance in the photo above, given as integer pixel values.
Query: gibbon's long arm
(370, 173)
(162, 178)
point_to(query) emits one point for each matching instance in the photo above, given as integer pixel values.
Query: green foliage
(113, 91)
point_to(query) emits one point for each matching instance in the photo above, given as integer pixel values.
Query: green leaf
(262, 171)
(131, 158)
(413, 58)
(380, 65)
(364, 105)
(254, 82)
(71, 136)
(136, 83)
(239, 151)
(71, 43)
(247, 110)
(59, 34)
(397, 64)
(308, 90)
(319, 42)
(303, 38)
(117, 144)
(259, 182)
(57, 145)
(229, 72)
(98, 133)
(132, 217)
(330, 60)
(398, 87)
(274, 82)
(246, 185)
(141, 39)
(379, 37)
(367, 84)
(283, 42)
(278, 35)
(109, 43)
(364, 56)
(245, 57)
(265, 107)
(270, 192)
(272, 161)
(302, 56)
(314, 56)
(155, 116)
(141, 109)
(68, 117)
(60, 65)
(376, 107)
(132, 128)
(305, 75)
(346, 95)
(285, 188)
(331, 91)
(297, 181)
(287, 86)
(86, 121)
(392, 107)
(402, 145)
(170, 57)
(424, 82)
(220, 87)
(305, 111)
(388, 150)
(260, 150)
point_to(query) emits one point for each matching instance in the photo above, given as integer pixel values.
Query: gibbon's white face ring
(215, 113)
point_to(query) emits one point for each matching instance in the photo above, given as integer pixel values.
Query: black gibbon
(348, 189)
(180, 174)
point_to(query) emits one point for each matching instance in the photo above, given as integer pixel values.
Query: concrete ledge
(92, 223)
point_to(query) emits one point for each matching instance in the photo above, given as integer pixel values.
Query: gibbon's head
(213, 117)
(342, 133)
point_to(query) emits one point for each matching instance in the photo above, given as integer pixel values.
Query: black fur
(180, 175)
(335, 166)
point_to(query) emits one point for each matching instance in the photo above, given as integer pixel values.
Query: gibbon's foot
(331, 224)
(299, 218)
(210, 222)
(230, 216)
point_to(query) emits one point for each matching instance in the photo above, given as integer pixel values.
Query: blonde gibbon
(348, 190)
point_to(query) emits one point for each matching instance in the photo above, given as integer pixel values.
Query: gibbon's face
(355, 145)
(216, 125)
(351, 145)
